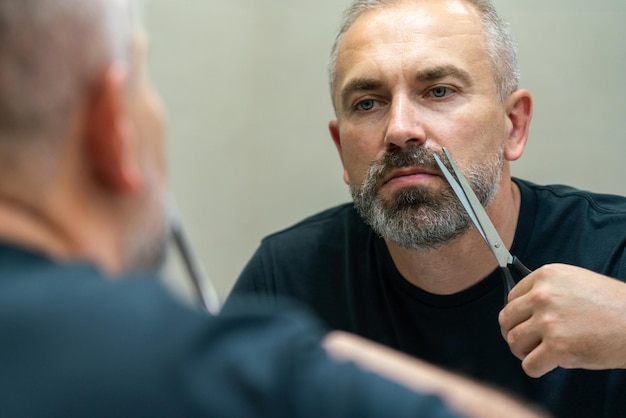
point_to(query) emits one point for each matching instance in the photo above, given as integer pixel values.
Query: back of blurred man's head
(81, 133)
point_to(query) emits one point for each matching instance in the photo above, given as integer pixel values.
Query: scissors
(483, 224)
(201, 284)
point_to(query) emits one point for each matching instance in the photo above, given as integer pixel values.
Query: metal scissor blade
(479, 216)
(458, 190)
(202, 286)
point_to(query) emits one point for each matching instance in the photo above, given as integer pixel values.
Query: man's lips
(409, 175)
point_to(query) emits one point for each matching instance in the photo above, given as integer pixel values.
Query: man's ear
(107, 134)
(333, 127)
(519, 110)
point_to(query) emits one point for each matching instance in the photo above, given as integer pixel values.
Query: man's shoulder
(564, 224)
(336, 221)
(32, 281)
(561, 195)
(94, 330)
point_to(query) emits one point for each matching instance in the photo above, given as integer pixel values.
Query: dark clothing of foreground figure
(75, 344)
(337, 265)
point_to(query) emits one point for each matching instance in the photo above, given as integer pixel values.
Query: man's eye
(440, 91)
(366, 104)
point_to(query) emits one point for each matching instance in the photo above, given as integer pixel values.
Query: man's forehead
(406, 28)
(423, 38)
(410, 18)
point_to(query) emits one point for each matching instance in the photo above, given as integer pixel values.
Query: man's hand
(468, 397)
(565, 316)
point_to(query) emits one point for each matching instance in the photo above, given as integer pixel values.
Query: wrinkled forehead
(421, 24)
(413, 21)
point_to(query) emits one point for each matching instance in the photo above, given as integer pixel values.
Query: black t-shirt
(340, 268)
(74, 344)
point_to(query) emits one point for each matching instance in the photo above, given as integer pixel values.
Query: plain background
(245, 85)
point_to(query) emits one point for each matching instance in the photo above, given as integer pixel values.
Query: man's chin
(408, 198)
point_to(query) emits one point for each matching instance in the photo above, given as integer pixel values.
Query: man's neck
(26, 224)
(59, 232)
(465, 261)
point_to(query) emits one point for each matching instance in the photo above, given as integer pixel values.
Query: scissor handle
(521, 270)
(509, 283)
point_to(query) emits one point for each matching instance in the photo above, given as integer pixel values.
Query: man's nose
(405, 125)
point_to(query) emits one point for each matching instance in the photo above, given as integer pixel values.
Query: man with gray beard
(402, 264)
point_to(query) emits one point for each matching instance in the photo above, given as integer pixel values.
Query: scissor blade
(489, 233)
(458, 191)
(201, 284)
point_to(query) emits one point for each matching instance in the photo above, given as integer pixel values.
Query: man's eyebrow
(437, 73)
(356, 85)
(427, 75)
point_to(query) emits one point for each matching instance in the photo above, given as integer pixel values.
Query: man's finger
(539, 362)
(523, 339)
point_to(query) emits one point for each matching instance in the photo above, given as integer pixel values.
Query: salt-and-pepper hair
(51, 53)
(499, 43)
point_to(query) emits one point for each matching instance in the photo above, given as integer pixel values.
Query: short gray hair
(499, 44)
(51, 53)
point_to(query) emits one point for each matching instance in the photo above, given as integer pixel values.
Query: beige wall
(244, 82)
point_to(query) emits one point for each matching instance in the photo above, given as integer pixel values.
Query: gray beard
(418, 218)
